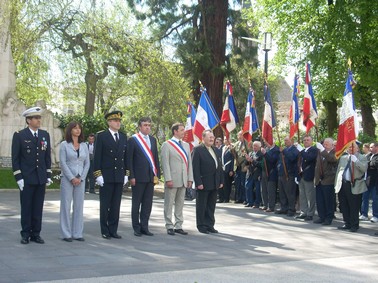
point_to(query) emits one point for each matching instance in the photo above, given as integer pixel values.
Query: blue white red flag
(294, 109)
(190, 119)
(206, 117)
(269, 121)
(251, 124)
(229, 117)
(348, 125)
(309, 104)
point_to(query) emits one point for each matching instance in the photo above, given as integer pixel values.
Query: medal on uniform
(43, 144)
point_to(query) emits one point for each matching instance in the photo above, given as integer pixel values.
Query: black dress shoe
(327, 222)
(301, 216)
(212, 230)
(147, 233)
(170, 232)
(238, 201)
(280, 212)
(116, 236)
(344, 227)
(319, 221)
(37, 239)
(220, 201)
(137, 233)
(248, 205)
(353, 229)
(106, 236)
(79, 239)
(308, 218)
(67, 239)
(180, 231)
(203, 231)
(24, 240)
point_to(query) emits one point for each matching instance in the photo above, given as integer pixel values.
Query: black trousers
(350, 205)
(141, 205)
(205, 208)
(110, 203)
(224, 193)
(31, 199)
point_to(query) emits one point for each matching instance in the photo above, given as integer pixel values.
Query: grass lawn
(7, 181)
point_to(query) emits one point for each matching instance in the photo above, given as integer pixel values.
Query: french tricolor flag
(309, 105)
(190, 119)
(251, 123)
(294, 109)
(269, 122)
(348, 125)
(229, 117)
(206, 117)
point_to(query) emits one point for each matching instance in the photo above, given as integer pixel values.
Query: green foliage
(90, 124)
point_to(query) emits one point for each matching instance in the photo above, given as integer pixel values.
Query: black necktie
(35, 135)
(116, 137)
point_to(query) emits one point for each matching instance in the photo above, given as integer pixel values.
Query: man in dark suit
(253, 183)
(144, 172)
(305, 179)
(208, 177)
(287, 171)
(31, 163)
(110, 173)
(228, 171)
(90, 181)
(270, 176)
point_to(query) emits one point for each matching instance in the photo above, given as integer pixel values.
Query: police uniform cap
(114, 115)
(31, 112)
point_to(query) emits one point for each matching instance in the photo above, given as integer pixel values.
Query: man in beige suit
(178, 175)
(350, 184)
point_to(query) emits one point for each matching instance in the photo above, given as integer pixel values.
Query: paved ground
(252, 246)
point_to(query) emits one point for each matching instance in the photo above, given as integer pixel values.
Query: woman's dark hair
(68, 135)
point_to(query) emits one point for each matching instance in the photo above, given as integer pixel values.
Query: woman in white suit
(74, 163)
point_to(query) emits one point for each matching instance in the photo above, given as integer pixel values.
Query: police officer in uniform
(110, 173)
(31, 163)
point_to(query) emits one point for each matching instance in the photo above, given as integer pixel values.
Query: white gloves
(125, 180)
(100, 181)
(20, 184)
(299, 147)
(49, 182)
(353, 158)
(296, 180)
(319, 146)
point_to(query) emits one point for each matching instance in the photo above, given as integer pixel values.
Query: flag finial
(349, 64)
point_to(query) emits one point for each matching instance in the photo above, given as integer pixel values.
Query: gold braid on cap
(114, 116)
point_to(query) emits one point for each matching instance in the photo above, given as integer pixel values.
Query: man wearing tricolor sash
(144, 172)
(178, 175)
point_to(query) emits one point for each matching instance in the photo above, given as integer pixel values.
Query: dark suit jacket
(271, 156)
(204, 170)
(31, 159)
(290, 155)
(110, 157)
(227, 160)
(255, 166)
(307, 160)
(372, 171)
(137, 163)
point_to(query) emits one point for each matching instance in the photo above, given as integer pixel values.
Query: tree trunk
(368, 121)
(214, 23)
(331, 111)
(90, 94)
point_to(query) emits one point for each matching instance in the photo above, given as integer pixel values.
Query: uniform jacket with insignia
(110, 157)
(31, 157)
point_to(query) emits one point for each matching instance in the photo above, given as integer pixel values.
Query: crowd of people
(273, 179)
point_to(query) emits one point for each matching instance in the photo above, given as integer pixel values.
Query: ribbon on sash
(181, 151)
(146, 151)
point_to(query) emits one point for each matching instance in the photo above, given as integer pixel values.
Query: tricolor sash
(180, 150)
(146, 151)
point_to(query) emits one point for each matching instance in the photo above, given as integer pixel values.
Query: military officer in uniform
(110, 173)
(31, 163)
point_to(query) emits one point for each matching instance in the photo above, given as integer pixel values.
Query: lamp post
(267, 46)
